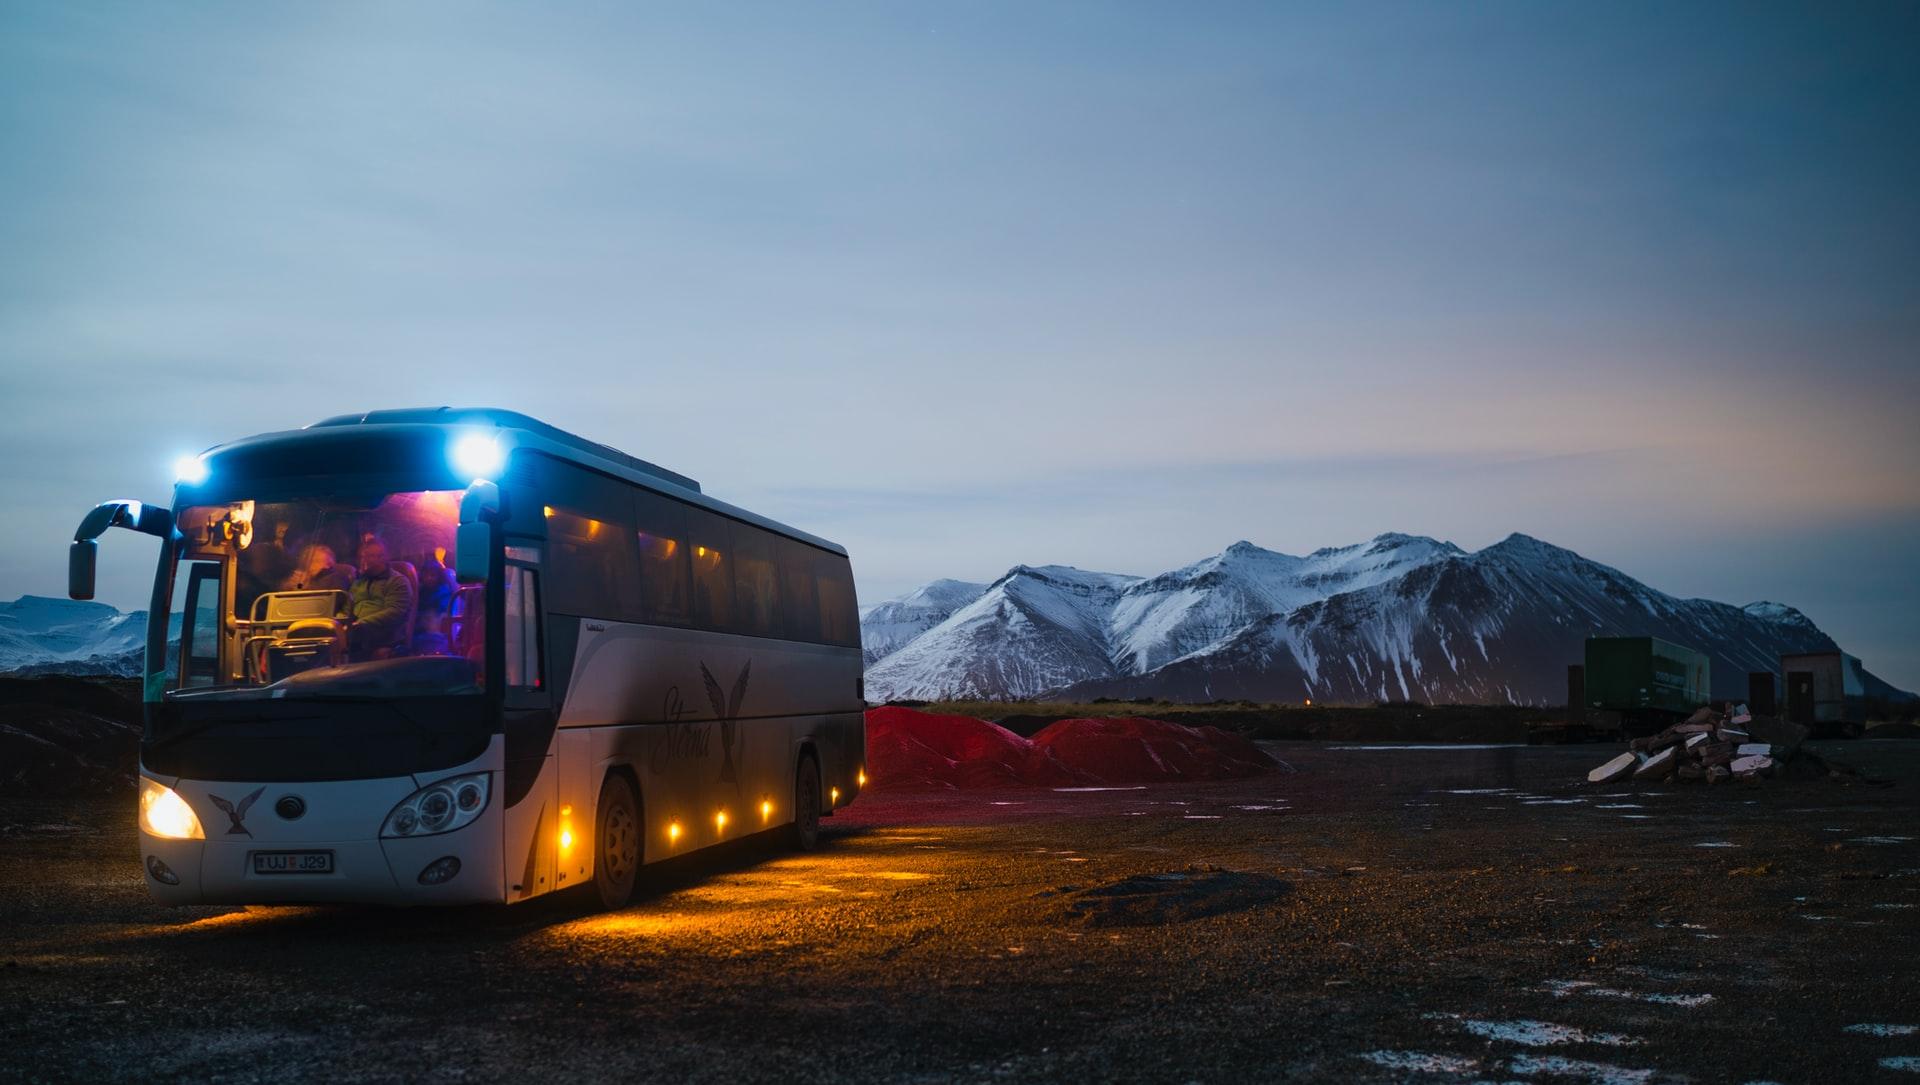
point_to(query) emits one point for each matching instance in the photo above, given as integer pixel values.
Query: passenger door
(528, 720)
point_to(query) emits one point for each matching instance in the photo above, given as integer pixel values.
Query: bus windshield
(337, 596)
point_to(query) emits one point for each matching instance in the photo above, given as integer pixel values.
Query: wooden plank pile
(1714, 745)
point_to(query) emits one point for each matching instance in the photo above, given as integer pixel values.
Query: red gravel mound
(909, 750)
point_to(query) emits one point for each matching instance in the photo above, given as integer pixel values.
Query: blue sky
(964, 286)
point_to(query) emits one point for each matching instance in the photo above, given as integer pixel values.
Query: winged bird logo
(728, 709)
(236, 814)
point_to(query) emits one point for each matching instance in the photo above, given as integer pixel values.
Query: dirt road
(1443, 915)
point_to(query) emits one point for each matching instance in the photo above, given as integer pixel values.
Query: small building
(1825, 690)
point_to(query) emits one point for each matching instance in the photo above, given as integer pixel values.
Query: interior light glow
(478, 456)
(163, 813)
(190, 470)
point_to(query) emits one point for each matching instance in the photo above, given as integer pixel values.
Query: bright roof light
(478, 456)
(190, 470)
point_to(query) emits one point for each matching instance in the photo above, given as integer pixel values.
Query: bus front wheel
(806, 804)
(616, 858)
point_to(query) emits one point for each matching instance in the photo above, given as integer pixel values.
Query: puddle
(1882, 1030)
(1599, 1073)
(1420, 1062)
(1909, 1063)
(1136, 787)
(1880, 840)
(1717, 844)
(1446, 746)
(1563, 988)
(1536, 1033)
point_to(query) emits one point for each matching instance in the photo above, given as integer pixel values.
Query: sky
(964, 286)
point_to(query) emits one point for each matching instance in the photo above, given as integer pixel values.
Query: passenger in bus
(318, 572)
(383, 599)
(428, 640)
(437, 584)
(264, 566)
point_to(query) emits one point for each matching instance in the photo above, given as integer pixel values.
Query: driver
(382, 606)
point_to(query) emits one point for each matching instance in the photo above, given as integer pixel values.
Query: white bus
(440, 656)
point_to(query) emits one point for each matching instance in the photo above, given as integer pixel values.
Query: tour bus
(446, 656)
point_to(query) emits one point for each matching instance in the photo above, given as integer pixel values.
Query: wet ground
(1457, 914)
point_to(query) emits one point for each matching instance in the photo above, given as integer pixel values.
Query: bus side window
(756, 596)
(712, 570)
(839, 614)
(799, 601)
(523, 628)
(665, 593)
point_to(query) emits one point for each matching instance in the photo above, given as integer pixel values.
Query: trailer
(1825, 692)
(1644, 682)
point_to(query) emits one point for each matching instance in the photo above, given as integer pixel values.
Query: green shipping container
(1645, 674)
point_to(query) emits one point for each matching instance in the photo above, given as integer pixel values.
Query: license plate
(293, 862)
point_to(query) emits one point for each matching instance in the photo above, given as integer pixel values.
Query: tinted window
(756, 595)
(799, 598)
(661, 532)
(523, 628)
(590, 549)
(710, 554)
(839, 615)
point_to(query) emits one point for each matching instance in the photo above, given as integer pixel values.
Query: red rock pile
(911, 750)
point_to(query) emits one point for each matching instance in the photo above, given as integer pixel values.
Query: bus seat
(292, 631)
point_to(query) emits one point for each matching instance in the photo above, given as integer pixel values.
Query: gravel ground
(1376, 914)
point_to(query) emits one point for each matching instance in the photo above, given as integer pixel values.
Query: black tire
(804, 833)
(616, 842)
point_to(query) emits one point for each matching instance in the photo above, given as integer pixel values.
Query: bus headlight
(163, 813)
(440, 807)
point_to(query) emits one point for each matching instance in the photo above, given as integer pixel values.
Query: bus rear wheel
(616, 849)
(805, 833)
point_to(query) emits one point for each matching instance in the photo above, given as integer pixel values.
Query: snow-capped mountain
(71, 637)
(1033, 629)
(1398, 618)
(887, 627)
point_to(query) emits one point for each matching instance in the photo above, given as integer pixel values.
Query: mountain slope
(885, 627)
(1171, 615)
(42, 635)
(1399, 618)
(1032, 630)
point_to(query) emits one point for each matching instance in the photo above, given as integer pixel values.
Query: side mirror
(81, 558)
(473, 540)
(472, 552)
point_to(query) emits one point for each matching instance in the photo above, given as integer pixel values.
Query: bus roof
(530, 433)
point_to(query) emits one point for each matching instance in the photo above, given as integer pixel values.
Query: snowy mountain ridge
(1400, 617)
(40, 634)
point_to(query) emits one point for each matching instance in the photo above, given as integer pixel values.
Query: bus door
(532, 824)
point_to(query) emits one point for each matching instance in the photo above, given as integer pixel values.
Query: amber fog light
(161, 872)
(440, 871)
